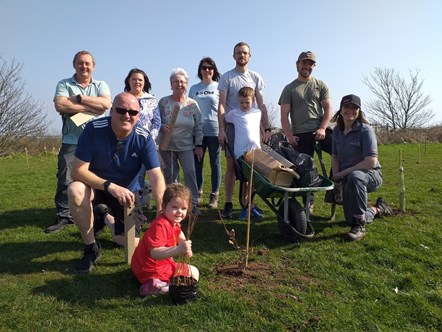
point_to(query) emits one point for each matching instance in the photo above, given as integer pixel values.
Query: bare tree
(21, 116)
(399, 104)
(273, 113)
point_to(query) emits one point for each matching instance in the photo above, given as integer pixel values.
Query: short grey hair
(178, 71)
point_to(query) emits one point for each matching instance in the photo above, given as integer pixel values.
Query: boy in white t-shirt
(247, 122)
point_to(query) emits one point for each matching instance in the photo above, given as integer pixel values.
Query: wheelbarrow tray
(267, 190)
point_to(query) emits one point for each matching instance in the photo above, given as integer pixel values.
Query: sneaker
(87, 261)
(382, 207)
(213, 201)
(200, 198)
(243, 214)
(60, 223)
(356, 233)
(140, 218)
(227, 211)
(100, 213)
(255, 213)
(146, 196)
(196, 211)
(154, 287)
(260, 211)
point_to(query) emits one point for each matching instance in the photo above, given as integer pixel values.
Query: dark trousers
(65, 158)
(306, 142)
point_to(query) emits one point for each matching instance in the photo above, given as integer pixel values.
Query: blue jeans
(356, 187)
(211, 144)
(171, 169)
(65, 158)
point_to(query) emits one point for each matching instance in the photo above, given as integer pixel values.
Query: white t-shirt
(247, 133)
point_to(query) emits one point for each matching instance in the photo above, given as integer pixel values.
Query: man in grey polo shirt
(77, 94)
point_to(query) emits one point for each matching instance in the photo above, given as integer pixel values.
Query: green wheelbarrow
(293, 218)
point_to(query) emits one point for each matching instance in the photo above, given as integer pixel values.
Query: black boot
(357, 231)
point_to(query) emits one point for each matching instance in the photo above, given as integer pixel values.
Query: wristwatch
(78, 97)
(106, 185)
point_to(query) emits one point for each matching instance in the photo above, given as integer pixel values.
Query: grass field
(389, 281)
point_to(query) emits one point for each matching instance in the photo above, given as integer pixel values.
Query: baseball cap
(351, 99)
(307, 55)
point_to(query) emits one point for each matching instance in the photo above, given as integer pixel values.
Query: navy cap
(351, 99)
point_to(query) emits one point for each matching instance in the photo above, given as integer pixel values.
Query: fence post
(27, 157)
(419, 153)
(401, 183)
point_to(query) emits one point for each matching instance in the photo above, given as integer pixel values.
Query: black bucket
(182, 290)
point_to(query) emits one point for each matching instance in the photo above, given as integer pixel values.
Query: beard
(242, 62)
(304, 73)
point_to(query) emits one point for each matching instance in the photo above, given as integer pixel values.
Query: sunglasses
(118, 148)
(206, 68)
(123, 111)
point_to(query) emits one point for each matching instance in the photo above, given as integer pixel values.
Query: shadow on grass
(19, 258)
(29, 217)
(210, 235)
(106, 289)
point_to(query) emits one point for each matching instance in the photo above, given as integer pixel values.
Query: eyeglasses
(123, 111)
(117, 152)
(179, 82)
(206, 68)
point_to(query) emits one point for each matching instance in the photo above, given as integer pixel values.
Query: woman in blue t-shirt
(206, 95)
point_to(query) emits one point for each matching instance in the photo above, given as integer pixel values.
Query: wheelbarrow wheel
(297, 219)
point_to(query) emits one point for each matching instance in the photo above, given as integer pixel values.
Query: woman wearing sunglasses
(206, 95)
(181, 135)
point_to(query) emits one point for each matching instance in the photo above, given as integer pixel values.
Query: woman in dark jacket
(355, 163)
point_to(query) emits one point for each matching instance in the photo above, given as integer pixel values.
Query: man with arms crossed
(77, 94)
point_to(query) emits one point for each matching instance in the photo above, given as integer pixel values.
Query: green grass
(389, 281)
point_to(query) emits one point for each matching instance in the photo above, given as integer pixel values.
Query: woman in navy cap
(355, 164)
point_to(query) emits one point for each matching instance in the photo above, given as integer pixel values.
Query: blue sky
(350, 39)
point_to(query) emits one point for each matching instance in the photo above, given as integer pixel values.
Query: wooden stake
(419, 153)
(129, 230)
(249, 201)
(166, 138)
(401, 183)
(27, 157)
